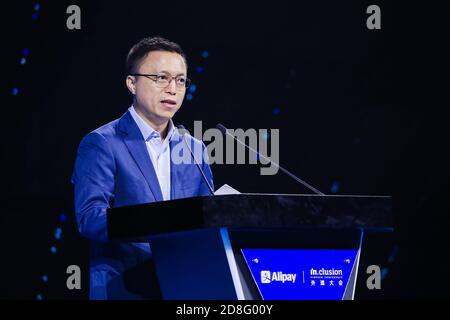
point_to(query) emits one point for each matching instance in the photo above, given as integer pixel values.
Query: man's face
(158, 104)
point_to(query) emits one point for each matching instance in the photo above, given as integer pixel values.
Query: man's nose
(172, 87)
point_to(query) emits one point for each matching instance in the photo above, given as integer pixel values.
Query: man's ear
(131, 84)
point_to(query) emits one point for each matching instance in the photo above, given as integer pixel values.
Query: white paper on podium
(225, 189)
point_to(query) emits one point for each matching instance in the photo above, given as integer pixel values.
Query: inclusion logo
(268, 277)
(326, 272)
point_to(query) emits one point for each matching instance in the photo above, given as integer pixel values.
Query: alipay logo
(268, 277)
(265, 276)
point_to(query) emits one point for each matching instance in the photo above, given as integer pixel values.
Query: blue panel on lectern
(298, 274)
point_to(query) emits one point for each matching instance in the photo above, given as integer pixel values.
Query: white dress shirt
(158, 151)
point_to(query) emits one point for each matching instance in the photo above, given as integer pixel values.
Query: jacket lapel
(136, 146)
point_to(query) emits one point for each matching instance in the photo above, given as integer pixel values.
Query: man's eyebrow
(167, 72)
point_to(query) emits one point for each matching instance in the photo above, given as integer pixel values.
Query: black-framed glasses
(163, 80)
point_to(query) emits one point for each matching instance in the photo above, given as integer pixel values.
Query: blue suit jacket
(113, 169)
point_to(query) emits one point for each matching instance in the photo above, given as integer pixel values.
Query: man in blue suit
(129, 161)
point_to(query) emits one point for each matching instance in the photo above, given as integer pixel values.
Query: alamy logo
(73, 22)
(229, 147)
(268, 277)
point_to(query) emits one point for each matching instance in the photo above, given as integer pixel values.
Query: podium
(261, 246)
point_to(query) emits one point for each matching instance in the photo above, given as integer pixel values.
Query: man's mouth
(169, 102)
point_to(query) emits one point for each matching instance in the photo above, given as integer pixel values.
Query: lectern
(261, 246)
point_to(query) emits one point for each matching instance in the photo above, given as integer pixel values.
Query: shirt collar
(147, 131)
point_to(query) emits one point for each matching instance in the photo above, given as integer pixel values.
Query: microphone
(225, 132)
(182, 130)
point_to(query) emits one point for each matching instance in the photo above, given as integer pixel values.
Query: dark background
(359, 111)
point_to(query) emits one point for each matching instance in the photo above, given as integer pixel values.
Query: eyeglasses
(163, 80)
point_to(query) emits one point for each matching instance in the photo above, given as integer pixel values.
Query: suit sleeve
(93, 180)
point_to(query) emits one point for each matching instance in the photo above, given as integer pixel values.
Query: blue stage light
(192, 88)
(25, 51)
(189, 97)
(15, 91)
(276, 111)
(23, 61)
(205, 54)
(35, 16)
(39, 297)
(199, 69)
(335, 187)
(44, 278)
(62, 217)
(384, 273)
(58, 233)
(37, 6)
(53, 249)
(394, 254)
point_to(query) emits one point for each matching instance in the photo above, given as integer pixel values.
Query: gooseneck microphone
(182, 130)
(225, 132)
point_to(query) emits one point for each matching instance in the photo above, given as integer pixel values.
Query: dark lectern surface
(250, 211)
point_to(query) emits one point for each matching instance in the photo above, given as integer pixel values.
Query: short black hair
(141, 49)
